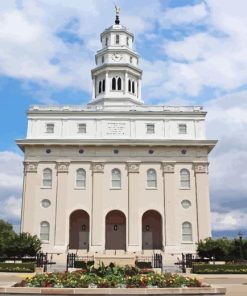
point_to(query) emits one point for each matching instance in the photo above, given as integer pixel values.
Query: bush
(83, 264)
(17, 267)
(220, 269)
(142, 264)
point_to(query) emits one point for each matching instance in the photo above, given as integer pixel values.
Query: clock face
(117, 56)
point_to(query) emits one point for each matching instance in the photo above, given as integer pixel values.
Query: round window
(185, 203)
(45, 203)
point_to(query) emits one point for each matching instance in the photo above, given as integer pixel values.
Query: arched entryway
(151, 230)
(79, 230)
(115, 231)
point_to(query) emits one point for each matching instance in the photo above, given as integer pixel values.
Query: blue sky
(192, 52)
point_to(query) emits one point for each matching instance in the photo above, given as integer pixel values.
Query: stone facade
(116, 174)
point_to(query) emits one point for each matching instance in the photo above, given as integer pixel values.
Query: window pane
(44, 231)
(82, 128)
(182, 128)
(47, 178)
(150, 128)
(50, 128)
(81, 178)
(184, 178)
(186, 231)
(151, 178)
(116, 178)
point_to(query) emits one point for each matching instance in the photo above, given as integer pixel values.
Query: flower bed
(109, 277)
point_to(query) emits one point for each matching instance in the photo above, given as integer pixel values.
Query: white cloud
(10, 185)
(233, 220)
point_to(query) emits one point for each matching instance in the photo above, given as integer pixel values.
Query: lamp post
(240, 235)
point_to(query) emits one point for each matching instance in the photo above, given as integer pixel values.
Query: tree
(221, 249)
(7, 234)
(17, 245)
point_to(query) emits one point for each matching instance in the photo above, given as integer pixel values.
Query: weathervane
(117, 10)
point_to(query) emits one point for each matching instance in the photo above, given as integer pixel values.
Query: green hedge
(17, 267)
(220, 269)
(83, 264)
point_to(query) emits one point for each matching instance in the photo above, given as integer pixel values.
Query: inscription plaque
(116, 129)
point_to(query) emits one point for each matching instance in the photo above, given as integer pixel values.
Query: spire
(117, 10)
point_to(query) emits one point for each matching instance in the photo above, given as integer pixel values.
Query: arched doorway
(152, 230)
(79, 230)
(115, 231)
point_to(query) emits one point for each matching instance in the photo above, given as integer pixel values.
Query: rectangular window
(150, 128)
(182, 128)
(117, 39)
(82, 128)
(50, 128)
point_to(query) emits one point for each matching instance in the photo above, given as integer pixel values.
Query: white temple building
(116, 174)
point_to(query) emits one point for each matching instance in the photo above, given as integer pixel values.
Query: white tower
(116, 77)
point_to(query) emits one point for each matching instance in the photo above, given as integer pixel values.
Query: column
(139, 89)
(202, 200)
(106, 83)
(28, 197)
(97, 219)
(61, 225)
(125, 82)
(134, 223)
(93, 89)
(170, 235)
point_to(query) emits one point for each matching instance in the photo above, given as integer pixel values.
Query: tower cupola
(117, 76)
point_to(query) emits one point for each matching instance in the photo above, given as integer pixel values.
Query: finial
(117, 10)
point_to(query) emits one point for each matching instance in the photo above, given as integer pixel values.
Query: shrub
(83, 264)
(17, 267)
(221, 269)
(142, 264)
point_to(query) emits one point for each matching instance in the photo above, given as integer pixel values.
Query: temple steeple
(117, 76)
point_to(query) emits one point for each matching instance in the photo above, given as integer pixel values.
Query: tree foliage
(17, 245)
(222, 249)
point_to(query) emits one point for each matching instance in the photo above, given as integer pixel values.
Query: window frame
(187, 232)
(45, 179)
(185, 183)
(81, 128)
(50, 128)
(83, 179)
(148, 130)
(42, 233)
(182, 128)
(151, 172)
(113, 186)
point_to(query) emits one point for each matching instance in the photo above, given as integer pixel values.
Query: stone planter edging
(113, 291)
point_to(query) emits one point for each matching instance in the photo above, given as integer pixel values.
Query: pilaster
(170, 237)
(97, 221)
(61, 204)
(202, 200)
(30, 182)
(134, 227)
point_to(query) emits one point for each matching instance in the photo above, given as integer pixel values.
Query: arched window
(187, 232)
(47, 177)
(184, 178)
(127, 41)
(129, 85)
(113, 83)
(44, 231)
(103, 86)
(119, 83)
(116, 178)
(106, 41)
(133, 87)
(80, 178)
(117, 39)
(100, 87)
(151, 178)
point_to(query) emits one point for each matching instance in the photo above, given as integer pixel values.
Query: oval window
(185, 203)
(45, 203)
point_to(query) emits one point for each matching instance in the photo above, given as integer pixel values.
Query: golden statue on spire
(117, 9)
